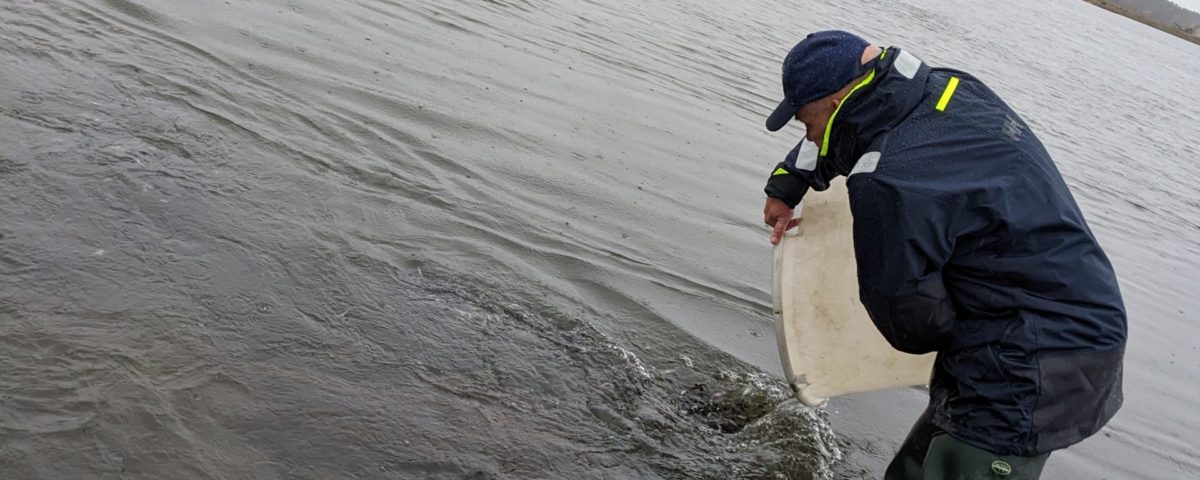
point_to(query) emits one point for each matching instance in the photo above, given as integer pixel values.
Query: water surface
(503, 239)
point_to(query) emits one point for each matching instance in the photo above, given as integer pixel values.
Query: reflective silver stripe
(806, 158)
(907, 64)
(866, 164)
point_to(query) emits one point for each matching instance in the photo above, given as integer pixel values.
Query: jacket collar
(889, 93)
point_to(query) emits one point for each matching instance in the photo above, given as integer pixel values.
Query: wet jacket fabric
(969, 244)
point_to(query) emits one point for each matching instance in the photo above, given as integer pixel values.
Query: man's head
(817, 74)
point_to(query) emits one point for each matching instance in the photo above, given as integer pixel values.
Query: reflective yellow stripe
(779, 171)
(829, 126)
(947, 93)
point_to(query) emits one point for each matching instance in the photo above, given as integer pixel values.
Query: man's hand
(778, 215)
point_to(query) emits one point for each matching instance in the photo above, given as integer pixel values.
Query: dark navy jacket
(969, 244)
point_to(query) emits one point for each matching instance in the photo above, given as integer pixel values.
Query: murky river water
(503, 238)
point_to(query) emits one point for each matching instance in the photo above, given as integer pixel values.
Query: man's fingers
(778, 216)
(780, 227)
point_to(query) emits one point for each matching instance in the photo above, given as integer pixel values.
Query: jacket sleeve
(902, 242)
(797, 173)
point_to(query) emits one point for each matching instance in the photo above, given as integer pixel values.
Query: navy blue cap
(817, 67)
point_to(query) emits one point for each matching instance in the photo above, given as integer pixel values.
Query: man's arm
(789, 182)
(902, 241)
(797, 173)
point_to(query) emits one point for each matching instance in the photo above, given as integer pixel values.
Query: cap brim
(784, 113)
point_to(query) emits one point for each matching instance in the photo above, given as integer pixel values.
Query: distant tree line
(1161, 14)
(1164, 12)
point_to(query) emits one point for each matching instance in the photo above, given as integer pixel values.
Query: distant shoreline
(1192, 35)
